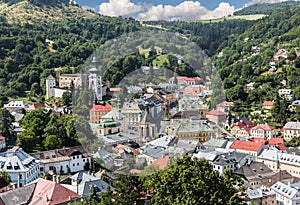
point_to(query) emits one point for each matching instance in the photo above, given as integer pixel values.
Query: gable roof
(51, 193)
(18, 196)
(246, 145)
(265, 127)
(216, 112)
(275, 141)
(161, 162)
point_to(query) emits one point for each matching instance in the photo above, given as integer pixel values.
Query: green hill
(266, 8)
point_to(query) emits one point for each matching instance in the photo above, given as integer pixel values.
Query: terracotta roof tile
(263, 127)
(161, 162)
(268, 103)
(215, 112)
(246, 145)
(2, 138)
(100, 108)
(54, 192)
(275, 141)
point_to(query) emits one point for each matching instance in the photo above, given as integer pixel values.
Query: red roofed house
(2, 143)
(161, 162)
(36, 106)
(241, 128)
(247, 147)
(183, 80)
(52, 193)
(263, 131)
(98, 111)
(278, 143)
(216, 116)
(267, 105)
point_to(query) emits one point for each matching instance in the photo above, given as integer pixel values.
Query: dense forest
(31, 49)
(265, 8)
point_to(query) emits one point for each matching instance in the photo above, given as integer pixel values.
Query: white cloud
(119, 8)
(187, 10)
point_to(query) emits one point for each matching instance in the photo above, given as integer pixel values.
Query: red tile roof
(225, 104)
(246, 145)
(135, 171)
(215, 112)
(265, 127)
(268, 103)
(101, 108)
(121, 146)
(281, 147)
(161, 162)
(275, 141)
(36, 106)
(2, 138)
(54, 192)
(182, 79)
(258, 140)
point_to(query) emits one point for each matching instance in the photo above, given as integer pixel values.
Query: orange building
(98, 111)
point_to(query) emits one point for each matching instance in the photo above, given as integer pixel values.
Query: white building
(65, 160)
(14, 105)
(291, 130)
(287, 194)
(263, 131)
(21, 167)
(50, 87)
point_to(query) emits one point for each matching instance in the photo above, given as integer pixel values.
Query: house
(81, 183)
(253, 173)
(169, 96)
(222, 159)
(267, 105)
(215, 143)
(108, 127)
(216, 116)
(51, 193)
(247, 147)
(270, 157)
(64, 160)
(104, 156)
(190, 130)
(132, 114)
(284, 92)
(36, 106)
(161, 162)
(114, 114)
(241, 128)
(4, 185)
(21, 167)
(2, 143)
(69, 80)
(290, 163)
(134, 90)
(193, 90)
(261, 196)
(21, 195)
(184, 80)
(287, 193)
(280, 175)
(263, 131)
(151, 154)
(16, 105)
(187, 103)
(225, 106)
(98, 111)
(291, 130)
(249, 86)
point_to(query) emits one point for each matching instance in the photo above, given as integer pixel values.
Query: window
(51, 168)
(77, 164)
(41, 169)
(73, 165)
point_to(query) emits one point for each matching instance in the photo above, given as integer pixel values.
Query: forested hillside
(266, 8)
(37, 37)
(250, 58)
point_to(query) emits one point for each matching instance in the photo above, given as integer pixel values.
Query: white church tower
(50, 87)
(95, 81)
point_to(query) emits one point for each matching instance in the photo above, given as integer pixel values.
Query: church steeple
(95, 81)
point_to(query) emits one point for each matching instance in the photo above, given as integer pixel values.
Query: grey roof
(292, 125)
(162, 141)
(18, 196)
(229, 158)
(153, 152)
(259, 193)
(99, 184)
(221, 143)
(104, 155)
(254, 170)
(288, 191)
(82, 177)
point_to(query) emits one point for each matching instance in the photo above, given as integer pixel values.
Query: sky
(145, 10)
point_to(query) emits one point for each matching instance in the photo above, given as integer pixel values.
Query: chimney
(289, 184)
(58, 179)
(54, 178)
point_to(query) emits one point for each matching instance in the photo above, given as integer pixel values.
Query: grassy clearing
(245, 17)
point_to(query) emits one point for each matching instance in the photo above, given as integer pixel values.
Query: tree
(193, 181)
(6, 125)
(52, 142)
(67, 98)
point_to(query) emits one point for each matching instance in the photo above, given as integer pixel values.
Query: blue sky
(168, 9)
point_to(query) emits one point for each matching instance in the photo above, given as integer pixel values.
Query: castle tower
(50, 87)
(95, 81)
